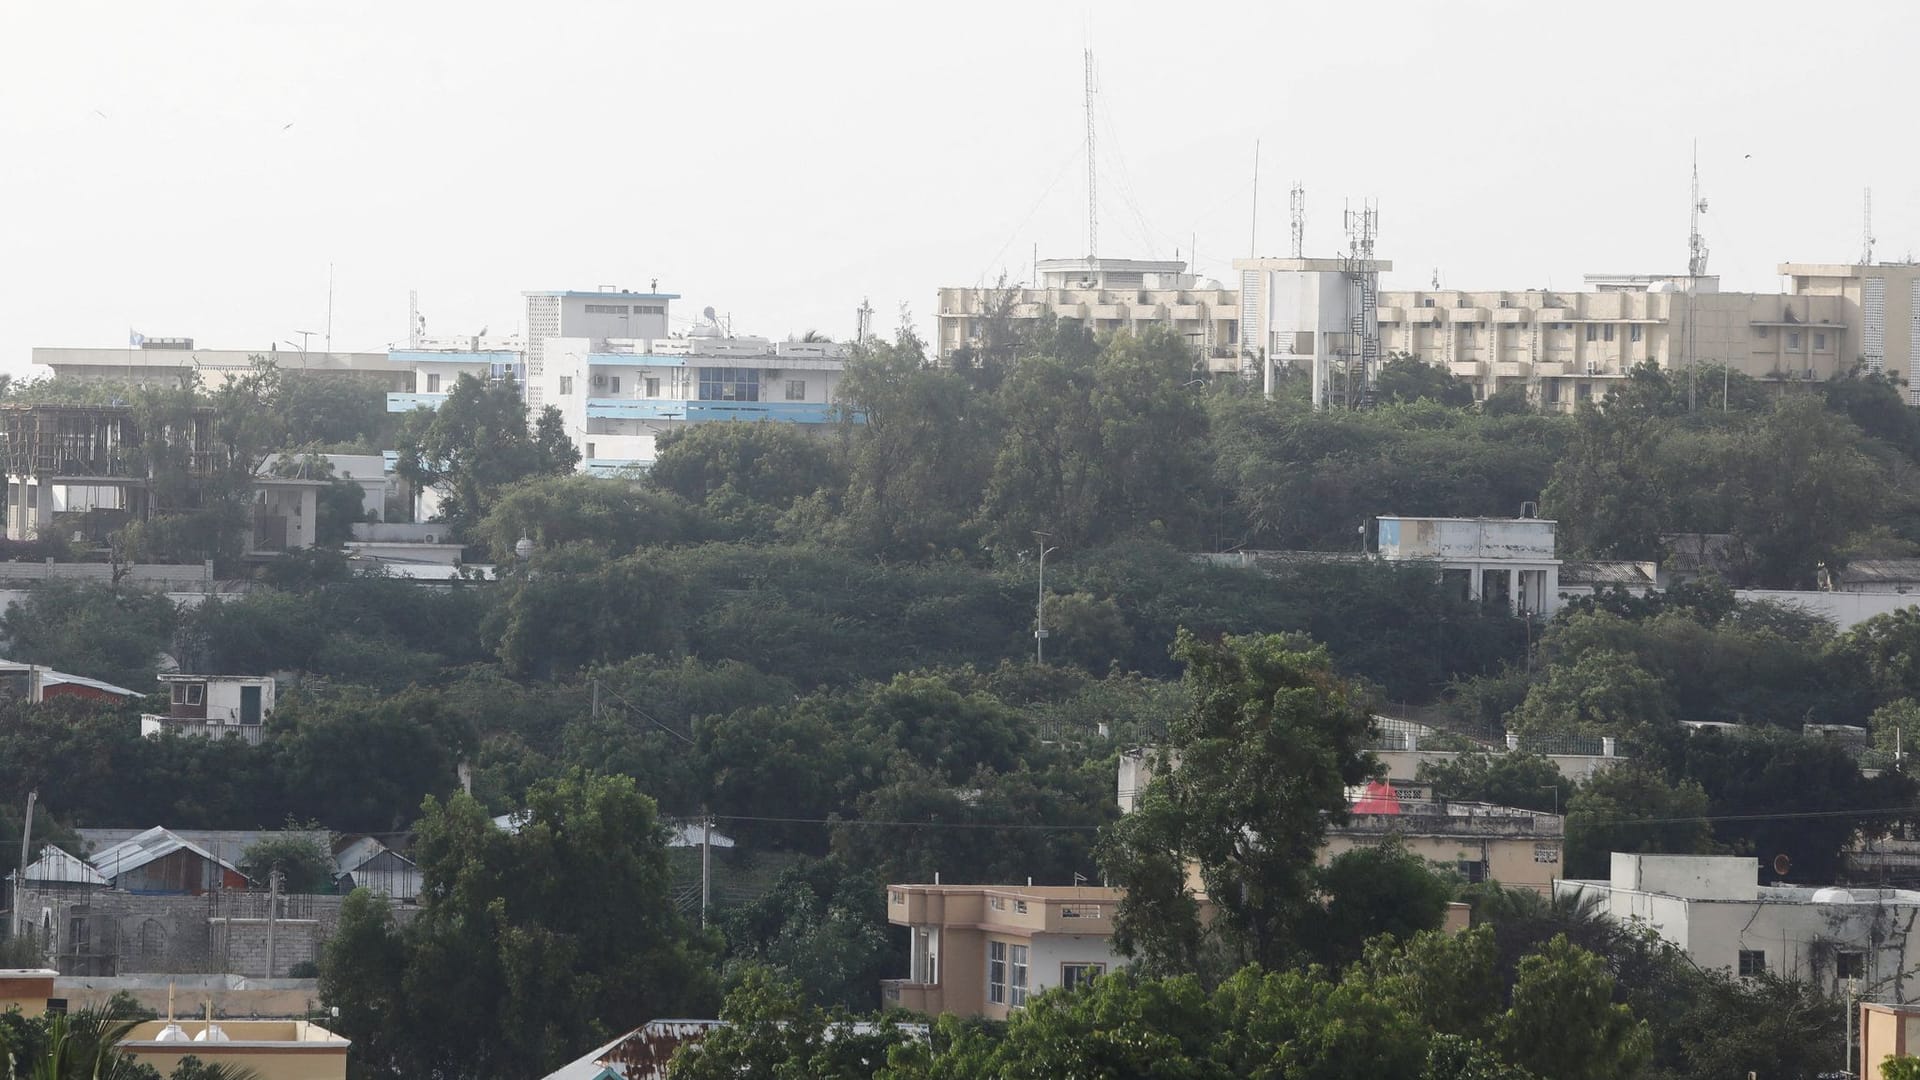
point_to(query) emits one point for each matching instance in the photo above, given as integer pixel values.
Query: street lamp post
(1040, 603)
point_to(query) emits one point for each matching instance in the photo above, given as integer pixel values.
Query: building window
(1606, 332)
(1550, 391)
(1753, 962)
(433, 383)
(1819, 341)
(590, 454)
(566, 385)
(1793, 339)
(653, 386)
(1634, 332)
(1428, 302)
(189, 693)
(613, 384)
(1760, 331)
(998, 903)
(1075, 976)
(997, 972)
(729, 384)
(1017, 978)
(1019, 907)
(1850, 964)
(796, 389)
(649, 309)
(1546, 853)
(606, 309)
(1593, 332)
(1583, 391)
(1472, 869)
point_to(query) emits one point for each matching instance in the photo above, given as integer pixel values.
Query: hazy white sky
(191, 168)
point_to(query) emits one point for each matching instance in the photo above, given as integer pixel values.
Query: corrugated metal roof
(1605, 572)
(55, 864)
(359, 853)
(1898, 571)
(155, 843)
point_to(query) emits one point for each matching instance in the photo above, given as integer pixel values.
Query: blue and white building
(437, 363)
(603, 314)
(618, 396)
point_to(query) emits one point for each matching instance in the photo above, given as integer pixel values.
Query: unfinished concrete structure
(91, 468)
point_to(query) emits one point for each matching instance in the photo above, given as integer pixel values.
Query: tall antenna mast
(1093, 170)
(1253, 229)
(1297, 204)
(1866, 229)
(1696, 244)
(413, 318)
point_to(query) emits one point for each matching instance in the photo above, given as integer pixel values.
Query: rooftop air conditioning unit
(1593, 367)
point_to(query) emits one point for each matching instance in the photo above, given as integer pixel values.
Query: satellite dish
(1781, 864)
(707, 314)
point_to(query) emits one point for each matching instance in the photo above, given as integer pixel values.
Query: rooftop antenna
(863, 321)
(413, 318)
(1253, 237)
(1436, 279)
(1297, 204)
(329, 309)
(1093, 182)
(1866, 229)
(1696, 244)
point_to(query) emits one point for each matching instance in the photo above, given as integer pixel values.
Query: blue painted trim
(636, 360)
(789, 412)
(403, 402)
(436, 356)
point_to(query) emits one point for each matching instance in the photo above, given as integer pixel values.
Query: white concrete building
(619, 395)
(213, 706)
(285, 514)
(1713, 909)
(435, 364)
(1490, 559)
(604, 314)
(162, 362)
(1315, 315)
(1106, 295)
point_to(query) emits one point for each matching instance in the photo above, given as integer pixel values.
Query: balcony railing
(251, 734)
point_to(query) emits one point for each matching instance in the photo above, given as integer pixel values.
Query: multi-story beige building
(1107, 295)
(983, 950)
(1573, 346)
(1881, 301)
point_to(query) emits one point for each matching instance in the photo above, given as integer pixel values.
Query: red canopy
(1377, 799)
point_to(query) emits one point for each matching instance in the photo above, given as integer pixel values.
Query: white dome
(173, 1033)
(1832, 896)
(1663, 287)
(212, 1034)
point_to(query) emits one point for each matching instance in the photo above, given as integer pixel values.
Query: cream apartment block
(1881, 301)
(1562, 346)
(1566, 347)
(1107, 295)
(983, 950)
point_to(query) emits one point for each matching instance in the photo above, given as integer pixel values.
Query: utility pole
(20, 872)
(273, 914)
(706, 865)
(596, 698)
(1093, 171)
(1040, 603)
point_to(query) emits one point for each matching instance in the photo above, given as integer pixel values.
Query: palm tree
(86, 1046)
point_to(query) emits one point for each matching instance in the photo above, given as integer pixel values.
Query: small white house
(213, 706)
(1713, 908)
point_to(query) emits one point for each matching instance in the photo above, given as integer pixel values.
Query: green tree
(1901, 1067)
(477, 442)
(747, 476)
(1100, 442)
(1530, 781)
(1800, 486)
(1608, 491)
(1370, 891)
(1631, 807)
(1405, 378)
(573, 607)
(528, 944)
(919, 452)
(1446, 982)
(821, 926)
(1252, 776)
(1563, 1022)
(613, 516)
(1603, 693)
(1895, 725)
(770, 1032)
(91, 629)
(305, 861)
